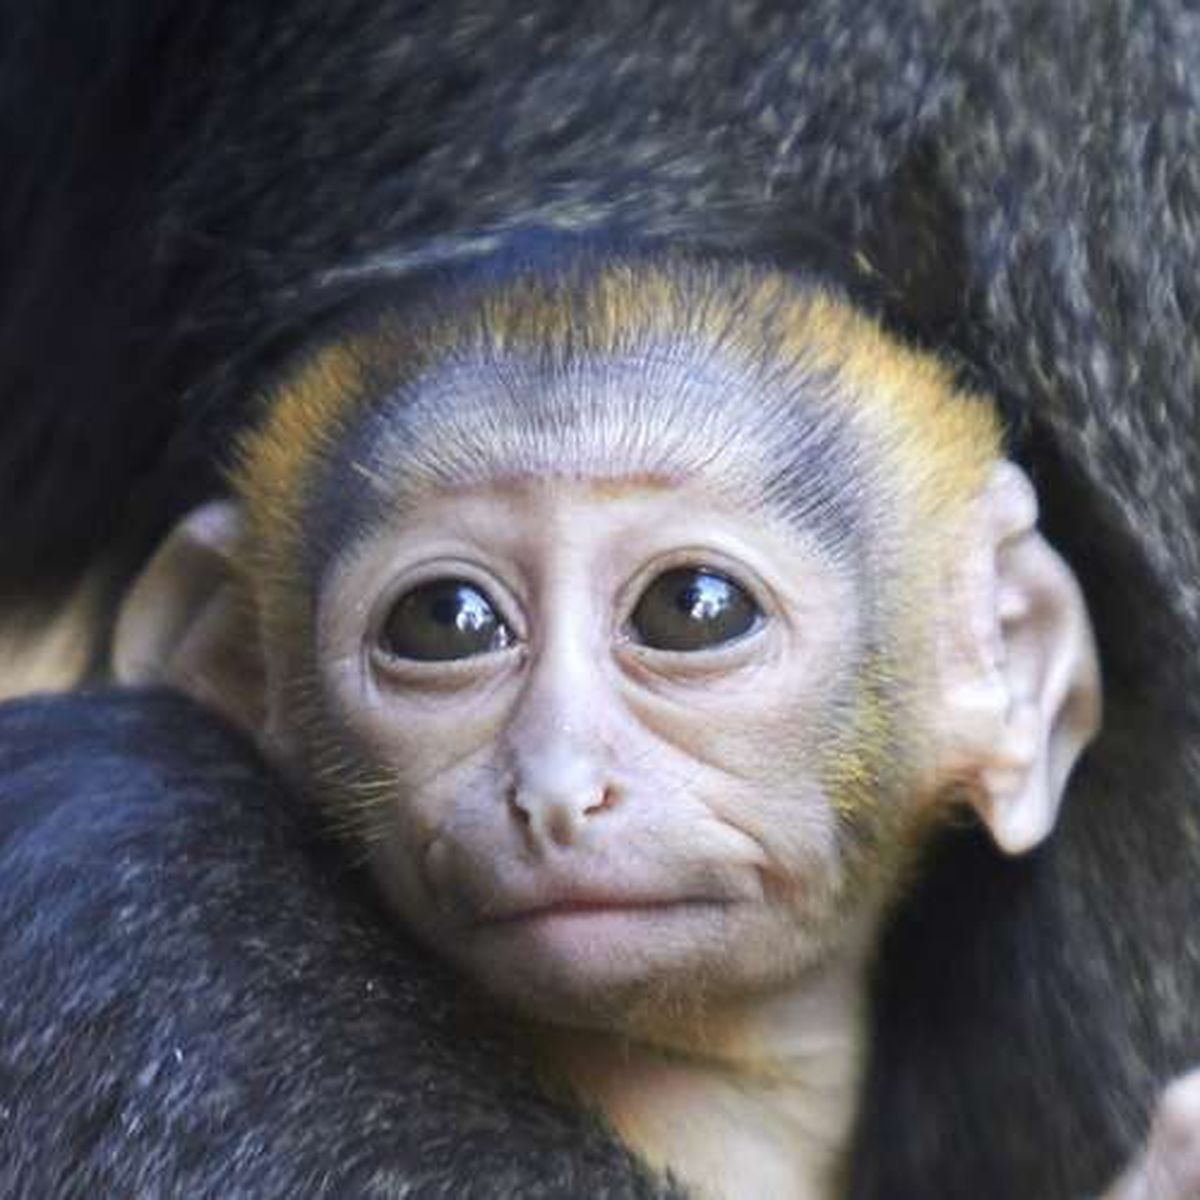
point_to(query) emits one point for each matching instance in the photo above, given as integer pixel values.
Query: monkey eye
(693, 608)
(443, 620)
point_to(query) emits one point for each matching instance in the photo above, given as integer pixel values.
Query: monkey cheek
(398, 860)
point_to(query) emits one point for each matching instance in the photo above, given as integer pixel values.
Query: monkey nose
(558, 819)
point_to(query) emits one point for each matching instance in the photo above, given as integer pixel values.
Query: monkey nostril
(515, 807)
(608, 799)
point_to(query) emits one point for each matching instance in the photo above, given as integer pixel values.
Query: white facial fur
(578, 819)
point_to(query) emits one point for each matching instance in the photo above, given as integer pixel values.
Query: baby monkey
(636, 618)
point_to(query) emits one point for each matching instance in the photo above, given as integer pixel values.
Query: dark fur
(183, 178)
(199, 1001)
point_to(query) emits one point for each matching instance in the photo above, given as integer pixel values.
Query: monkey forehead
(778, 392)
(667, 413)
(656, 419)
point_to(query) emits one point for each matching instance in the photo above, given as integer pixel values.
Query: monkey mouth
(584, 906)
(584, 945)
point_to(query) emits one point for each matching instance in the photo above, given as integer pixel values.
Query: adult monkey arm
(200, 998)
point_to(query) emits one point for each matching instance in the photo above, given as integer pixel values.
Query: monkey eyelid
(389, 672)
(718, 659)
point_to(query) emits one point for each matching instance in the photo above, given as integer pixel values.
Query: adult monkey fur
(935, 139)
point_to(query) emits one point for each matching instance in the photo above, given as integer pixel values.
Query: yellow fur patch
(275, 463)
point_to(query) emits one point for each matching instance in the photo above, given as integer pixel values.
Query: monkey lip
(584, 906)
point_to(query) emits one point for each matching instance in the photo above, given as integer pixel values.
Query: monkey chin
(640, 969)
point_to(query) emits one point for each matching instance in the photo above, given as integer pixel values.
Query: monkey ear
(187, 624)
(1019, 680)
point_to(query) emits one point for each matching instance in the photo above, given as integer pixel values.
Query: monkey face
(599, 714)
(633, 621)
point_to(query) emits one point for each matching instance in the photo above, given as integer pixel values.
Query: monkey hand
(1168, 1166)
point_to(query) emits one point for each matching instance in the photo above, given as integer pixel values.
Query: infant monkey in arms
(638, 619)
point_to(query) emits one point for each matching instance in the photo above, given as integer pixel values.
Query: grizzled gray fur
(206, 1042)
